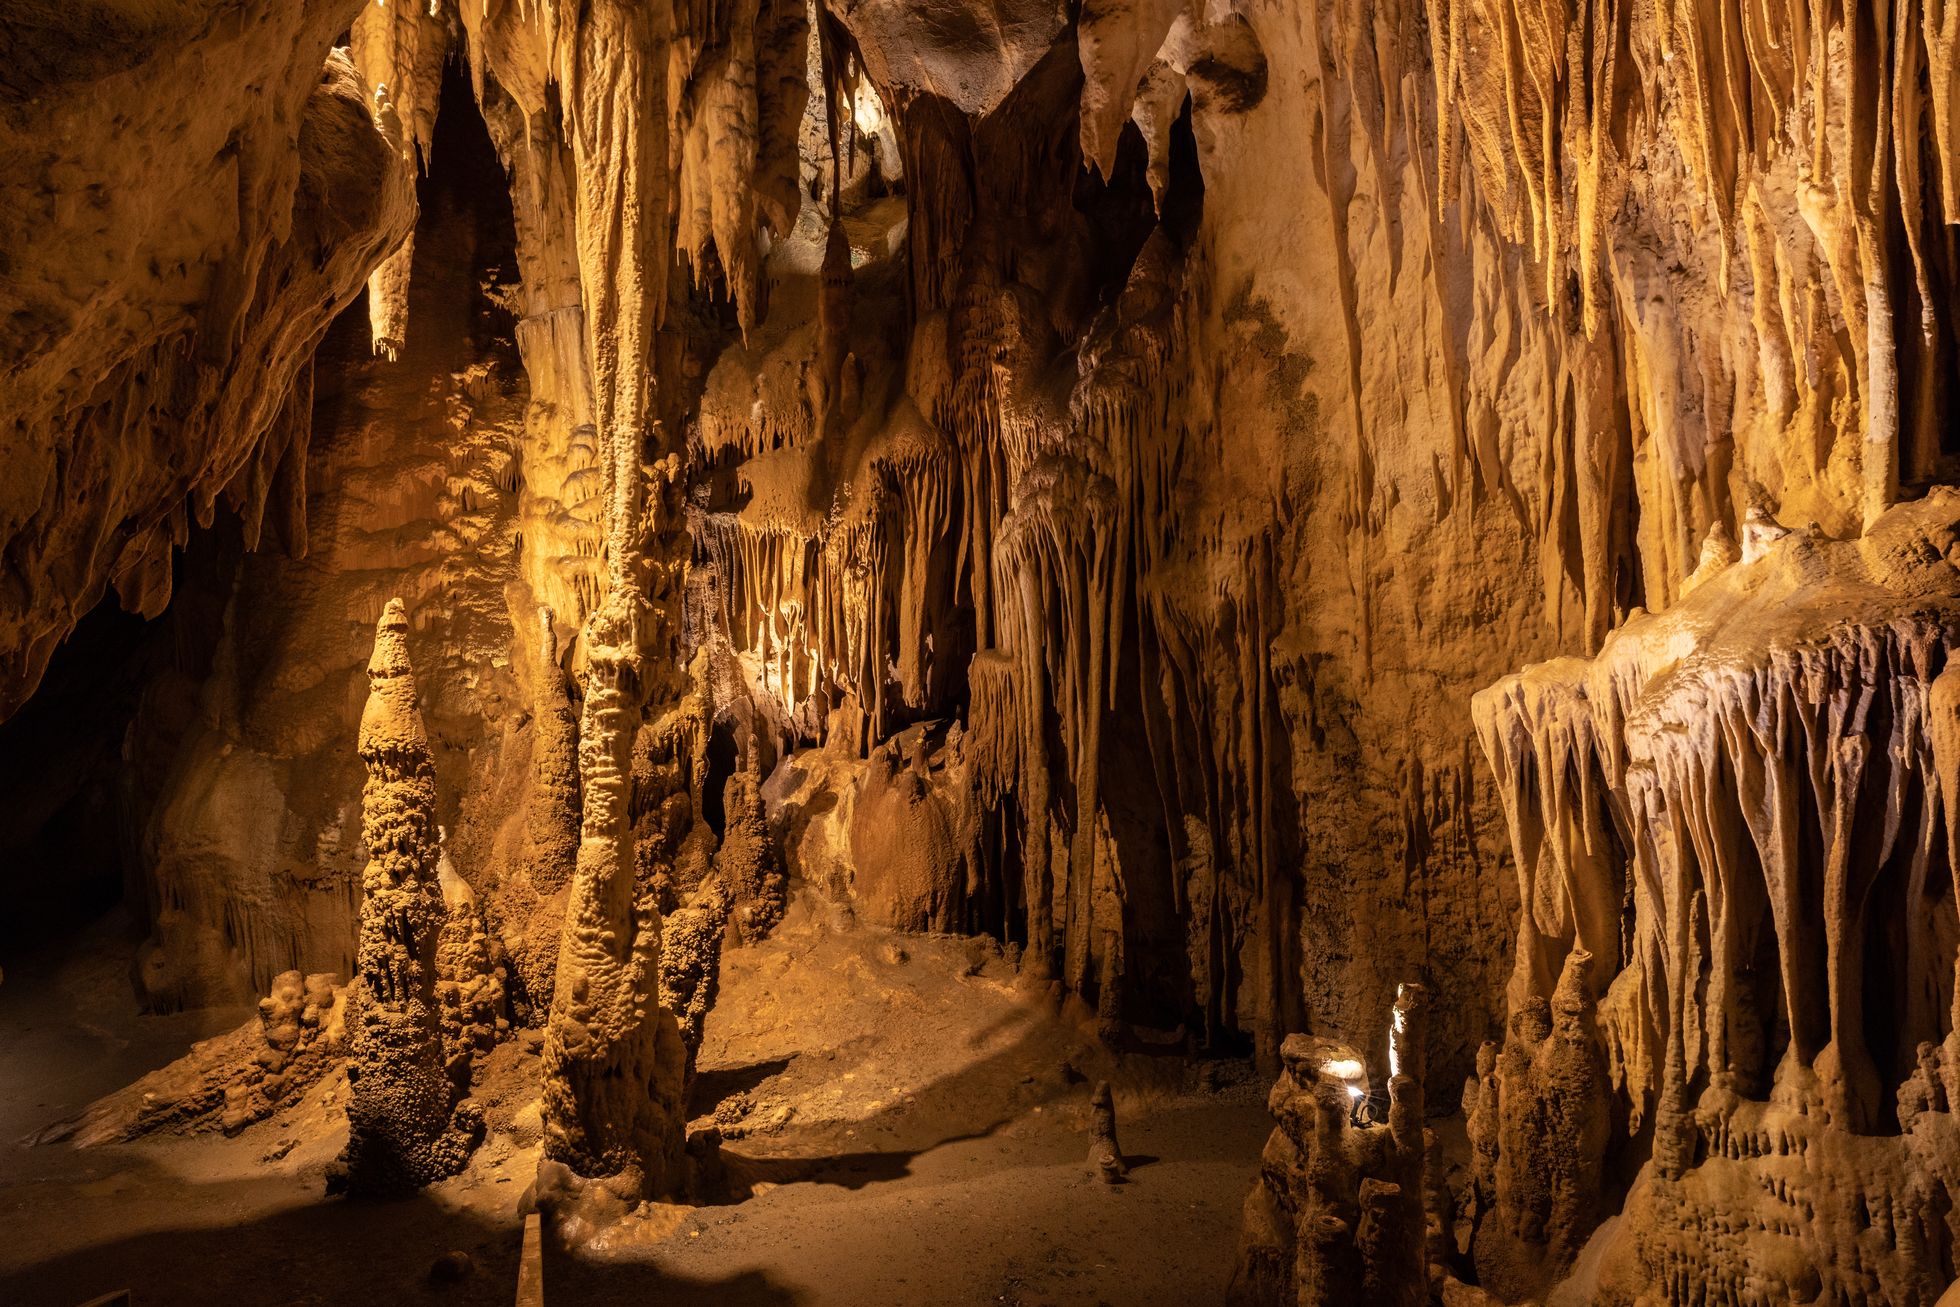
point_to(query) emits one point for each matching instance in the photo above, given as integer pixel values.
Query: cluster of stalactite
(1733, 832)
(1809, 154)
(147, 386)
(1031, 558)
(843, 615)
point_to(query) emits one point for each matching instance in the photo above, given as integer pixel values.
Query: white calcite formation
(1733, 834)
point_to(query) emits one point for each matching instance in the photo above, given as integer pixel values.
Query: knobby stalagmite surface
(408, 1123)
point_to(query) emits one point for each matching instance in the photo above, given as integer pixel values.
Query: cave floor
(903, 1123)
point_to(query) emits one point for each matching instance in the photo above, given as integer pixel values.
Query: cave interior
(980, 651)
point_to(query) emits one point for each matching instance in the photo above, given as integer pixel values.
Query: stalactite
(1799, 125)
(1770, 751)
(155, 385)
(400, 49)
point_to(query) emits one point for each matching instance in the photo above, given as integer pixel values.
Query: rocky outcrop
(195, 196)
(233, 1080)
(1768, 753)
(407, 1122)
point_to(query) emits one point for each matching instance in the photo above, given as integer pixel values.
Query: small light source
(1354, 1091)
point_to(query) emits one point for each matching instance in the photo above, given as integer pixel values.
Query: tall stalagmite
(614, 1066)
(407, 1123)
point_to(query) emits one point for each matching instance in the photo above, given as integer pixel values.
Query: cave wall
(1114, 449)
(199, 188)
(250, 839)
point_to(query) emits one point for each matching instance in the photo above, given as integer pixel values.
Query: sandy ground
(904, 1122)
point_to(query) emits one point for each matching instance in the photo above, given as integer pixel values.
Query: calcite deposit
(408, 1120)
(1408, 545)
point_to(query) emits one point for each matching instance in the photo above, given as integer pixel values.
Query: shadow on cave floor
(317, 1253)
(905, 1124)
(712, 1088)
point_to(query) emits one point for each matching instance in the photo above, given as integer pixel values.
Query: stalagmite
(533, 905)
(747, 861)
(613, 1061)
(1105, 1154)
(1338, 1208)
(690, 964)
(959, 549)
(408, 1121)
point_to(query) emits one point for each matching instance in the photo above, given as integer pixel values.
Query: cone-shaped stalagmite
(405, 1126)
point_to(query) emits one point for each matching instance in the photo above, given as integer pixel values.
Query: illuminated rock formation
(1083, 474)
(1746, 790)
(1337, 1214)
(613, 1062)
(408, 1124)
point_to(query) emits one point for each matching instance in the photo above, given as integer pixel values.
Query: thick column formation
(532, 905)
(612, 1083)
(406, 1126)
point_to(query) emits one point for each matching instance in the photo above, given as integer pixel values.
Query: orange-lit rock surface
(1244, 506)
